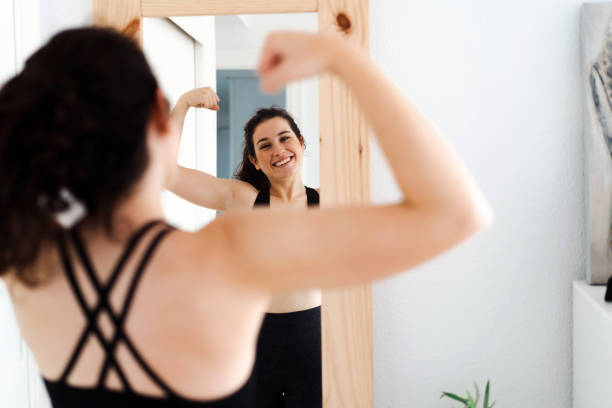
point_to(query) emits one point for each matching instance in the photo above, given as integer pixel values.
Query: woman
(287, 369)
(271, 164)
(121, 310)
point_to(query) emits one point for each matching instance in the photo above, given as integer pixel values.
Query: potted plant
(469, 401)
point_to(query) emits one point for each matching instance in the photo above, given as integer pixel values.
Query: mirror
(346, 319)
(222, 52)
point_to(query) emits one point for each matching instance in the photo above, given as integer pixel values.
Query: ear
(160, 113)
(254, 162)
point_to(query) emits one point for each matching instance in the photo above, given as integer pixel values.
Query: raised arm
(196, 186)
(204, 97)
(344, 246)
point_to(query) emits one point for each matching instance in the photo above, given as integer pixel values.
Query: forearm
(178, 114)
(427, 170)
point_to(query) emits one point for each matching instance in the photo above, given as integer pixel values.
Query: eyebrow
(266, 139)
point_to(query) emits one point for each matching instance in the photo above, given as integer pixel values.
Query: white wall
(502, 80)
(59, 15)
(7, 41)
(14, 364)
(20, 382)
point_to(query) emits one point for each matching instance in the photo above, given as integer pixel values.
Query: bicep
(337, 247)
(212, 192)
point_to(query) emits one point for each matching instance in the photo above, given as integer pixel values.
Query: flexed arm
(196, 186)
(204, 97)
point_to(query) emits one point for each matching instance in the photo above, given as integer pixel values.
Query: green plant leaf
(477, 394)
(470, 399)
(471, 403)
(455, 397)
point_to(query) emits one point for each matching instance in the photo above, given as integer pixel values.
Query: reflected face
(278, 151)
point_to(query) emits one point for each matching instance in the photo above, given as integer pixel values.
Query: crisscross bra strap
(102, 304)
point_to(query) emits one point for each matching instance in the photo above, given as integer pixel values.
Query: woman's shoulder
(203, 264)
(244, 194)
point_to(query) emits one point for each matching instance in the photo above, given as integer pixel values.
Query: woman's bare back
(189, 324)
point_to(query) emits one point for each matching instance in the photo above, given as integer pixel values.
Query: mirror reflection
(242, 149)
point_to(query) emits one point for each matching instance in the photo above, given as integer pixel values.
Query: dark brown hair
(74, 119)
(245, 170)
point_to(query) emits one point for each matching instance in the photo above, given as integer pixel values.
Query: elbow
(472, 217)
(454, 222)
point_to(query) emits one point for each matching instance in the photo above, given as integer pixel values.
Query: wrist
(339, 54)
(183, 102)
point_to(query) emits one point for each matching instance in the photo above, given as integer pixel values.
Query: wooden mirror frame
(344, 169)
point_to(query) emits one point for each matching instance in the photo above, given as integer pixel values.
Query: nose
(277, 148)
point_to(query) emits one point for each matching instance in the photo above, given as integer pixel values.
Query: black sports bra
(263, 197)
(64, 395)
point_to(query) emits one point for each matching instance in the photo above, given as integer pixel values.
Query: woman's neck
(137, 210)
(287, 190)
(143, 204)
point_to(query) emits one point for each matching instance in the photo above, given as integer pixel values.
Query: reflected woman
(287, 368)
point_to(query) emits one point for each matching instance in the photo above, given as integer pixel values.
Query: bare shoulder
(203, 257)
(196, 276)
(191, 295)
(207, 265)
(244, 194)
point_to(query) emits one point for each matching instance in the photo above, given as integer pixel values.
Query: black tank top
(263, 197)
(287, 371)
(62, 394)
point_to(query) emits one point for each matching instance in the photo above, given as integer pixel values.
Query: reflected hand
(289, 55)
(204, 97)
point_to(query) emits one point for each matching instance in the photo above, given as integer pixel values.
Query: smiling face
(278, 151)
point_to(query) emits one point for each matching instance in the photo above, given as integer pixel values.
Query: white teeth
(280, 163)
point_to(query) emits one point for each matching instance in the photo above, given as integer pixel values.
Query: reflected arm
(204, 97)
(196, 186)
(208, 191)
(179, 112)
